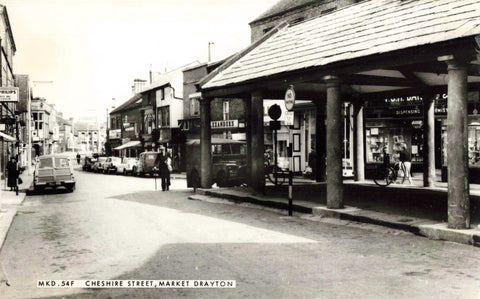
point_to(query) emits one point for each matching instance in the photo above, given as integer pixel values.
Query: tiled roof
(126, 104)
(368, 28)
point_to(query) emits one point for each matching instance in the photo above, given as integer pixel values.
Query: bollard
(290, 191)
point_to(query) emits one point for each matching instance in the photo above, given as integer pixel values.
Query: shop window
(376, 141)
(473, 145)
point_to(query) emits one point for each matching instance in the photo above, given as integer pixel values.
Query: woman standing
(12, 174)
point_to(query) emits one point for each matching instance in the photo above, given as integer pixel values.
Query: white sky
(93, 49)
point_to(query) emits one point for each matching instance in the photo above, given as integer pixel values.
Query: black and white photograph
(239, 149)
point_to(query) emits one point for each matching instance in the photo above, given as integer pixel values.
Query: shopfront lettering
(220, 124)
(409, 99)
(414, 111)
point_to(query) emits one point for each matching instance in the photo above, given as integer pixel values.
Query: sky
(81, 54)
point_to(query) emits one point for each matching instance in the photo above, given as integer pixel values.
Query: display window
(393, 137)
(473, 142)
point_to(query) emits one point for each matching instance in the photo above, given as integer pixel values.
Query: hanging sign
(290, 98)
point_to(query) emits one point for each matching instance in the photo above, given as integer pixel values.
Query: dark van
(146, 163)
(228, 162)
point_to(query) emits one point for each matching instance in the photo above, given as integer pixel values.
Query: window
(328, 10)
(226, 110)
(126, 119)
(164, 116)
(194, 107)
(38, 120)
(161, 94)
(298, 20)
(267, 29)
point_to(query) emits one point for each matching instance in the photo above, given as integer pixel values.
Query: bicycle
(388, 173)
(272, 172)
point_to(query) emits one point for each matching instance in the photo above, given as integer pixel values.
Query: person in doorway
(168, 162)
(12, 174)
(406, 160)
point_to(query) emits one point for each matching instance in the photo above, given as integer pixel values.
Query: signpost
(275, 112)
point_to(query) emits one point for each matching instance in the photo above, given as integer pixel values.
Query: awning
(7, 137)
(127, 145)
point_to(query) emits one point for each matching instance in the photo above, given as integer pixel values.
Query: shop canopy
(7, 137)
(127, 145)
(374, 46)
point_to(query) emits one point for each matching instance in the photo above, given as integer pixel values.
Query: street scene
(135, 232)
(252, 149)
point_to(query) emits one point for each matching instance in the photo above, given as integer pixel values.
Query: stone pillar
(457, 146)
(429, 142)
(359, 143)
(257, 140)
(334, 144)
(248, 135)
(320, 143)
(205, 144)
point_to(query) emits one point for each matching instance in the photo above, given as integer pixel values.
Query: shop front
(393, 122)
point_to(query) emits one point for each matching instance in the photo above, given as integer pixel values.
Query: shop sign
(290, 98)
(223, 124)
(408, 111)
(114, 134)
(399, 101)
(9, 94)
(417, 124)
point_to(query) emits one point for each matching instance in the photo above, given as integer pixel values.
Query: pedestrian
(406, 160)
(78, 158)
(168, 162)
(12, 170)
(163, 172)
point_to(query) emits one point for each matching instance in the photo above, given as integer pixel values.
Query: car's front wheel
(222, 179)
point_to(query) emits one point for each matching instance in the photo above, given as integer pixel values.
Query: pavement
(413, 208)
(9, 202)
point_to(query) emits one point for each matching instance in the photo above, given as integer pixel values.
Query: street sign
(274, 112)
(9, 94)
(290, 98)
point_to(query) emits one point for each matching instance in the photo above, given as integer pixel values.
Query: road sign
(290, 98)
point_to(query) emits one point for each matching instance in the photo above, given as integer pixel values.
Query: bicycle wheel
(280, 175)
(384, 176)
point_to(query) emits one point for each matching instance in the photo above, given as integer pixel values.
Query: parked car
(53, 171)
(88, 163)
(228, 162)
(111, 164)
(147, 163)
(98, 165)
(127, 165)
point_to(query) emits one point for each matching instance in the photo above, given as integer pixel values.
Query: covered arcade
(379, 49)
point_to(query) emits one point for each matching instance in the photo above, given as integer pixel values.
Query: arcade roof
(358, 31)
